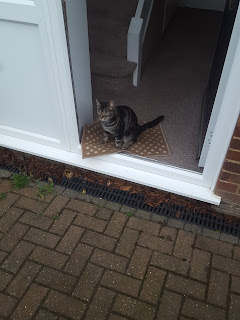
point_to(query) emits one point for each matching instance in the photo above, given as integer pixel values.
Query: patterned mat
(151, 143)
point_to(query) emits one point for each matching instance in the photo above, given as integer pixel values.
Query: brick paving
(71, 256)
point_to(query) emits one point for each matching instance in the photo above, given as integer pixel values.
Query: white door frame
(183, 182)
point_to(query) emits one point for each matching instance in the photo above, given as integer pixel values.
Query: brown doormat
(151, 143)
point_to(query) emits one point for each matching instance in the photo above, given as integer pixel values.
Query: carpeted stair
(108, 23)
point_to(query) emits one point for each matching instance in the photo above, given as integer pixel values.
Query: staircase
(108, 24)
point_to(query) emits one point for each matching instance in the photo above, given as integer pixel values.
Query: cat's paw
(103, 141)
(118, 146)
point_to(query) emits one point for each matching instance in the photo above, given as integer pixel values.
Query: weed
(130, 214)
(20, 180)
(45, 190)
(55, 218)
(2, 195)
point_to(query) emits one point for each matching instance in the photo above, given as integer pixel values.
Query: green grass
(45, 190)
(130, 214)
(2, 195)
(20, 180)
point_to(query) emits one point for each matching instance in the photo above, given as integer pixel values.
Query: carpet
(151, 143)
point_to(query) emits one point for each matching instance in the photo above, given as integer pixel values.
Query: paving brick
(218, 288)
(16, 258)
(29, 192)
(5, 278)
(193, 228)
(78, 259)
(127, 242)
(11, 239)
(84, 197)
(112, 205)
(128, 210)
(170, 263)
(88, 282)
(9, 218)
(236, 252)
(116, 317)
(184, 245)
(175, 223)
(170, 306)
(155, 243)
(149, 227)
(226, 264)
(139, 262)
(42, 238)
(83, 207)
(90, 222)
(30, 302)
(65, 219)
(70, 240)
(3, 255)
(6, 203)
(99, 240)
(49, 257)
(234, 308)
(214, 246)
(109, 260)
(98, 201)
(5, 186)
(121, 283)
(200, 265)
(100, 305)
(45, 315)
(202, 311)
(143, 214)
(168, 233)
(211, 234)
(7, 305)
(23, 279)
(235, 284)
(5, 173)
(56, 206)
(116, 224)
(152, 285)
(133, 308)
(56, 280)
(186, 286)
(104, 213)
(158, 218)
(36, 220)
(228, 238)
(70, 193)
(65, 305)
(31, 205)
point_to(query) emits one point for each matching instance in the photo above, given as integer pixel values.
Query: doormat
(151, 143)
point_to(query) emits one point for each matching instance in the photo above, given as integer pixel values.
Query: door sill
(170, 182)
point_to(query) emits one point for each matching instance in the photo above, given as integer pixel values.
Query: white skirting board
(139, 176)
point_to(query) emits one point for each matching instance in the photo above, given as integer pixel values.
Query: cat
(121, 122)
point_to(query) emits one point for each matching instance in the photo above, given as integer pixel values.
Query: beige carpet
(151, 143)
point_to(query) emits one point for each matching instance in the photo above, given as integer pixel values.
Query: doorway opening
(176, 69)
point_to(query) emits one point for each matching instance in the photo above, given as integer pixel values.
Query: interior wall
(217, 5)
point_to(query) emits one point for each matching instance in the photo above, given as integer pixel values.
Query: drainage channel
(133, 200)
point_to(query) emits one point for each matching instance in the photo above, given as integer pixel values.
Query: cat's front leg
(118, 142)
(105, 137)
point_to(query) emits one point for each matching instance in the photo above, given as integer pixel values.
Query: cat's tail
(150, 124)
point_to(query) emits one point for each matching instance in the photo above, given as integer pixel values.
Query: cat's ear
(98, 103)
(111, 104)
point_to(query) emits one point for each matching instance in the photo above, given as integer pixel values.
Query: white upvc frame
(183, 182)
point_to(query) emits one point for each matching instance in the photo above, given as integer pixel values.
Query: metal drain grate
(205, 220)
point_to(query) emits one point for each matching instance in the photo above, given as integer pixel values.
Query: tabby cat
(121, 122)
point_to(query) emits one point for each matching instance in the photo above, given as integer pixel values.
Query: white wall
(217, 5)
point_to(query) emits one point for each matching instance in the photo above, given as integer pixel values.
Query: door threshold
(155, 176)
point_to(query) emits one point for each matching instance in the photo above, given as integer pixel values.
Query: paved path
(71, 256)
